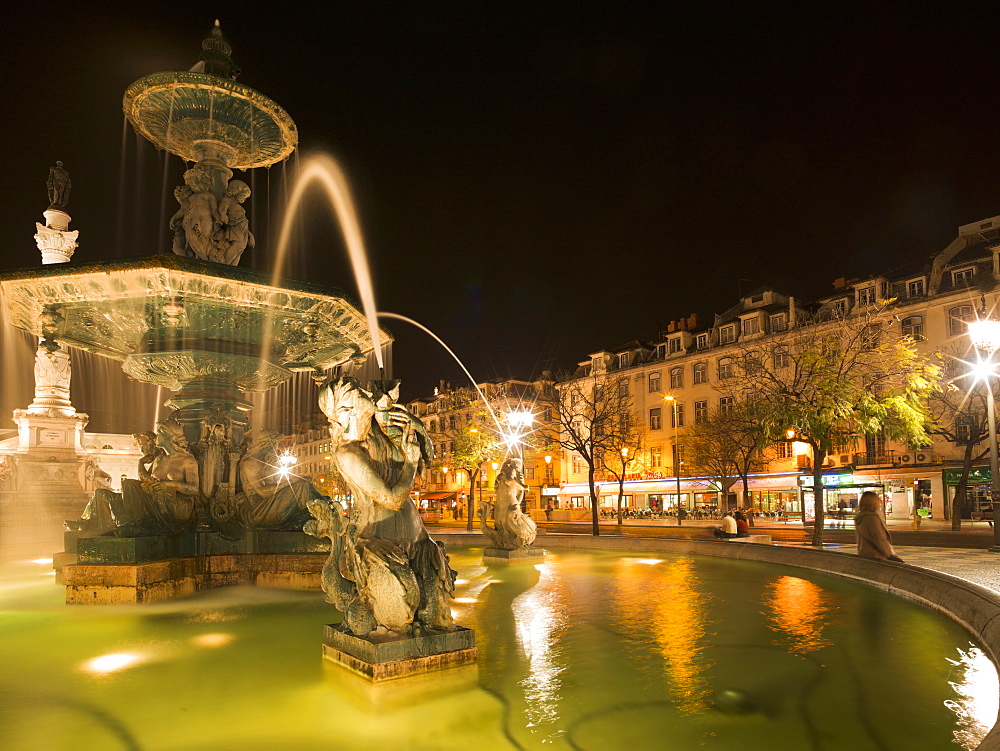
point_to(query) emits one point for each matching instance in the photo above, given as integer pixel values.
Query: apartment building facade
(675, 382)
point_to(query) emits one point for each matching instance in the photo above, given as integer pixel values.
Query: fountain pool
(590, 650)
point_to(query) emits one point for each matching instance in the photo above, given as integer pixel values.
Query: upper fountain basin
(196, 116)
(172, 320)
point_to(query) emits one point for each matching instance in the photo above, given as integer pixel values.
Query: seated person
(742, 525)
(728, 528)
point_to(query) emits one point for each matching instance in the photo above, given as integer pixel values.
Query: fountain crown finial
(215, 54)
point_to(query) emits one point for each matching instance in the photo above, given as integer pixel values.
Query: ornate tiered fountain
(194, 323)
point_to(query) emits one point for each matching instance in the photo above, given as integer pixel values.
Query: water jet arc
(324, 170)
(439, 340)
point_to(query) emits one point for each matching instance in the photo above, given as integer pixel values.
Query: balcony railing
(874, 458)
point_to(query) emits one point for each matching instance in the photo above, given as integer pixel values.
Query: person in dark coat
(869, 529)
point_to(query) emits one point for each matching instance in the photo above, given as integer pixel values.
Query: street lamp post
(985, 336)
(677, 457)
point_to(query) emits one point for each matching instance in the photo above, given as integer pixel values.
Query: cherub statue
(234, 232)
(199, 220)
(183, 195)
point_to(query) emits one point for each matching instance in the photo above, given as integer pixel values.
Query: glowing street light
(985, 336)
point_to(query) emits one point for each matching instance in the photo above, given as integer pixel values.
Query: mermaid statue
(512, 528)
(387, 576)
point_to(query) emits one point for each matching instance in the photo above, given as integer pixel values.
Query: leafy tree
(591, 417)
(832, 378)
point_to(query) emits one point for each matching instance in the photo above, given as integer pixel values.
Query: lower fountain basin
(591, 650)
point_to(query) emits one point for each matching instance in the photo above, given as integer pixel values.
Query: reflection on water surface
(587, 651)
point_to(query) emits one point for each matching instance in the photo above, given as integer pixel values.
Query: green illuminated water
(587, 651)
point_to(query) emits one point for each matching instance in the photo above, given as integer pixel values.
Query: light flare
(110, 663)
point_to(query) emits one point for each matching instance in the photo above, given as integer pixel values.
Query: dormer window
(915, 288)
(674, 345)
(866, 296)
(727, 334)
(661, 351)
(962, 277)
(778, 322)
(840, 308)
(751, 326)
(757, 299)
(623, 359)
(701, 341)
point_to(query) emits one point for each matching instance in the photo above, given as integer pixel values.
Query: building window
(661, 351)
(913, 327)
(870, 336)
(700, 373)
(677, 377)
(674, 345)
(655, 456)
(783, 450)
(578, 465)
(623, 387)
(701, 341)
(726, 368)
(678, 410)
(866, 296)
(959, 318)
(727, 404)
(962, 277)
(700, 411)
(778, 322)
(963, 429)
(678, 457)
(529, 473)
(780, 357)
(840, 308)
(655, 419)
(624, 359)
(915, 288)
(654, 382)
(751, 326)
(452, 423)
(727, 334)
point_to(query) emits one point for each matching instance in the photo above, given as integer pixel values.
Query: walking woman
(869, 528)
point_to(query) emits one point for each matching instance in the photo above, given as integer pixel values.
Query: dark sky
(541, 179)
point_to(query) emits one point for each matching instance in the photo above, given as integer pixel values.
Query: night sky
(539, 180)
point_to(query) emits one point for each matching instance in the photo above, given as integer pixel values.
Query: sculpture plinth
(389, 658)
(517, 555)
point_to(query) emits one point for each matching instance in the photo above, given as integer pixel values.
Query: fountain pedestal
(383, 660)
(518, 555)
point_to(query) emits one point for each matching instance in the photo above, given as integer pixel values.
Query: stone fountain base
(398, 658)
(103, 569)
(518, 555)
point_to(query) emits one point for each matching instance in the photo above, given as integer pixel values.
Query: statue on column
(385, 573)
(59, 186)
(52, 369)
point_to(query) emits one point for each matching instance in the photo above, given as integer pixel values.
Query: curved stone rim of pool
(975, 608)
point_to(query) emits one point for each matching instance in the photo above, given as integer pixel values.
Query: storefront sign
(977, 476)
(829, 481)
(550, 491)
